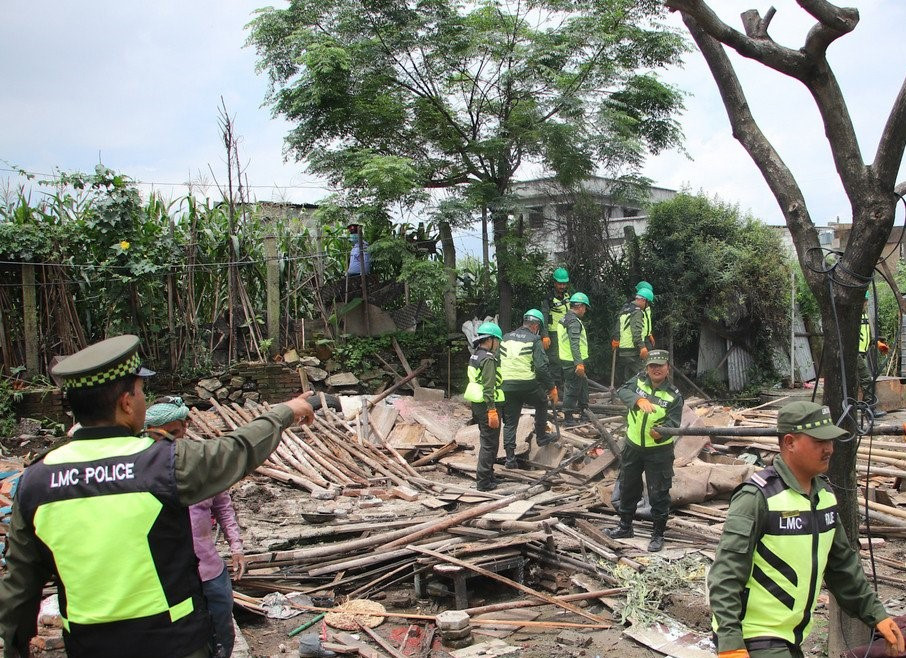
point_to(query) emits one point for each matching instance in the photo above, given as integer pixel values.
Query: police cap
(806, 417)
(102, 363)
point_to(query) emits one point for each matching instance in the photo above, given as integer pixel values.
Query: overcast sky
(138, 86)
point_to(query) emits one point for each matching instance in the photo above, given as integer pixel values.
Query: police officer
(526, 379)
(629, 335)
(868, 362)
(553, 310)
(573, 348)
(105, 516)
(782, 537)
(652, 400)
(486, 396)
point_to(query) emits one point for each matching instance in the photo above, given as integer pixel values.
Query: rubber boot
(657, 536)
(510, 458)
(622, 531)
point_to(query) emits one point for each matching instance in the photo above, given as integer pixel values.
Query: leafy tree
(464, 94)
(869, 186)
(710, 263)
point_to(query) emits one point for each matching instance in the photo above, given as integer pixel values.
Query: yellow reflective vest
(639, 423)
(631, 327)
(475, 389)
(107, 513)
(789, 560)
(864, 334)
(564, 347)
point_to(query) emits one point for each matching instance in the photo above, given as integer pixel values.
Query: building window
(536, 219)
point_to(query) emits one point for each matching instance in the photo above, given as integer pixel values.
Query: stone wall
(269, 382)
(40, 404)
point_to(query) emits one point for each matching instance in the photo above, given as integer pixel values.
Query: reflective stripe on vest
(864, 334)
(789, 560)
(625, 326)
(639, 423)
(559, 307)
(646, 327)
(107, 513)
(516, 360)
(565, 348)
(475, 387)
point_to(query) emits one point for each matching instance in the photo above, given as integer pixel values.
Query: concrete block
(452, 620)
(492, 649)
(425, 394)
(573, 639)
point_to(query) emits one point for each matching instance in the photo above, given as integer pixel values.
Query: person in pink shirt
(168, 416)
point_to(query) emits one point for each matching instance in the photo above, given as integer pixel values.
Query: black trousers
(488, 442)
(513, 409)
(657, 465)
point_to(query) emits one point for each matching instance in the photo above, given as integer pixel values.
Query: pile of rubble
(390, 500)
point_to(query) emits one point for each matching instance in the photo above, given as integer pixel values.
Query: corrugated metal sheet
(738, 363)
(805, 365)
(711, 351)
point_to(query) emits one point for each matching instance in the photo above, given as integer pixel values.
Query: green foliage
(389, 99)
(709, 263)
(8, 422)
(115, 254)
(357, 353)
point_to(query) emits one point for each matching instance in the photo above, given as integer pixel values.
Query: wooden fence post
(30, 320)
(273, 292)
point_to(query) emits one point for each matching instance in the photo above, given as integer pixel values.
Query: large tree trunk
(449, 249)
(504, 289)
(869, 187)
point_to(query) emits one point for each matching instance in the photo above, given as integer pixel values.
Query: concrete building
(546, 208)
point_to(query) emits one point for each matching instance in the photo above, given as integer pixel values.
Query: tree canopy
(709, 262)
(439, 94)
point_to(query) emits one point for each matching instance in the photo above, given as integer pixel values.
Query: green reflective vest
(789, 560)
(646, 328)
(475, 387)
(558, 309)
(639, 423)
(624, 326)
(516, 350)
(864, 334)
(107, 514)
(564, 347)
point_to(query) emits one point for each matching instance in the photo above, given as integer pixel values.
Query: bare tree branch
(763, 49)
(893, 140)
(747, 132)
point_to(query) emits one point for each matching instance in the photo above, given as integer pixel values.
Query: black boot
(657, 536)
(510, 458)
(622, 531)
(546, 439)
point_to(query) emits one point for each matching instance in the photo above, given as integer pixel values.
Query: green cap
(644, 293)
(560, 275)
(534, 315)
(102, 363)
(657, 357)
(579, 298)
(808, 418)
(487, 330)
(643, 284)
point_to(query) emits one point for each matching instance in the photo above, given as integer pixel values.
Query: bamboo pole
(531, 603)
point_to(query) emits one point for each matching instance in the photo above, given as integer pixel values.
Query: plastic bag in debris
(278, 606)
(470, 329)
